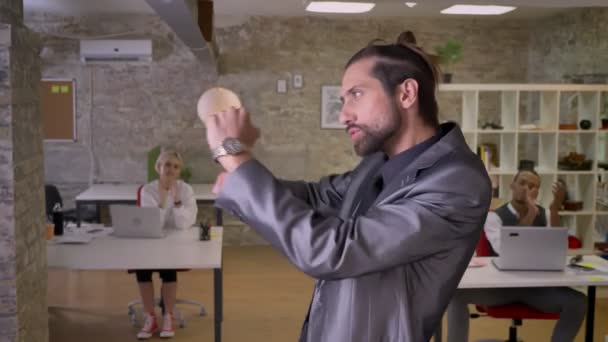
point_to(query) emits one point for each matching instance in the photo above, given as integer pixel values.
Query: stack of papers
(73, 238)
(476, 263)
(594, 266)
(84, 234)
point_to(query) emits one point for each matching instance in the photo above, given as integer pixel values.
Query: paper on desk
(73, 238)
(94, 230)
(476, 263)
(99, 231)
(595, 266)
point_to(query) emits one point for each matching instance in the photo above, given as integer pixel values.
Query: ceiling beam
(183, 18)
(205, 19)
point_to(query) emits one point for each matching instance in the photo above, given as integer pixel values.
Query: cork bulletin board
(58, 107)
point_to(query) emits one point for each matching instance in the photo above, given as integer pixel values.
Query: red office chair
(139, 195)
(159, 301)
(515, 312)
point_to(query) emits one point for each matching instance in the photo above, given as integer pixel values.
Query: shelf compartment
(547, 151)
(470, 110)
(545, 194)
(580, 187)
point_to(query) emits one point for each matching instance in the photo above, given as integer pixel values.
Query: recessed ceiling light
(411, 4)
(478, 9)
(339, 7)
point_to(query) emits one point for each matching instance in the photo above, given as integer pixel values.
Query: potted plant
(152, 156)
(449, 54)
(186, 174)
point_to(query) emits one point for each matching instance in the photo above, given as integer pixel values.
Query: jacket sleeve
(185, 216)
(327, 247)
(328, 192)
(147, 197)
(492, 230)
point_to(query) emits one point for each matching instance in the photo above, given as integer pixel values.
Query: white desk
(490, 277)
(111, 253)
(99, 194)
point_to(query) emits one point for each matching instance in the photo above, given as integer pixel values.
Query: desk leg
(98, 209)
(219, 298)
(78, 214)
(219, 217)
(590, 314)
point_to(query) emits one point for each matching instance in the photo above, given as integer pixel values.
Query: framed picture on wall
(330, 107)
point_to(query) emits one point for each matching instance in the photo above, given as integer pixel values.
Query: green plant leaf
(450, 52)
(186, 174)
(152, 156)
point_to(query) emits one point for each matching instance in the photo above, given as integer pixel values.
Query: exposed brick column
(23, 274)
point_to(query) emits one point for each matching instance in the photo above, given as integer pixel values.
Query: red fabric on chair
(139, 195)
(574, 242)
(483, 245)
(515, 311)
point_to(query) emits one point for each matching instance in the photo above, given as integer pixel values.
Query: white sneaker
(149, 327)
(167, 331)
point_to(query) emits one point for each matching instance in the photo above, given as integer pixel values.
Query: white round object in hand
(216, 100)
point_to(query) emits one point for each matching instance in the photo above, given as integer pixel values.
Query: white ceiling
(77, 7)
(425, 8)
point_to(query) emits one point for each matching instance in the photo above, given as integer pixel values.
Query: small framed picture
(331, 107)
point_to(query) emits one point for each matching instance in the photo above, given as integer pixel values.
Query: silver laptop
(136, 222)
(532, 248)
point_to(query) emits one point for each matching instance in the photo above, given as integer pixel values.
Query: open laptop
(136, 222)
(532, 248)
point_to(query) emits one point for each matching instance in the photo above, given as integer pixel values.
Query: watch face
(233, 146)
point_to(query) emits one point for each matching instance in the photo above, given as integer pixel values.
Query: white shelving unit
(517, 106)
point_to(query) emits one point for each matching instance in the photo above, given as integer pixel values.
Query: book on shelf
(488, 156)
(487, 153)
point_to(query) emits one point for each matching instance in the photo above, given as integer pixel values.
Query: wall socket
(297, 81)
(281, 86)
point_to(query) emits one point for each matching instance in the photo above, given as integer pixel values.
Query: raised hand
(531, 202)
(163, 194)
(532, 209)
(175, 195)
(559, 195)
(233, 123)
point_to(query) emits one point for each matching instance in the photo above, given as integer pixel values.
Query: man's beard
(374, 139)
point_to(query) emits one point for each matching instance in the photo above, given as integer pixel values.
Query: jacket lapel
(365, 170)
(451, 140)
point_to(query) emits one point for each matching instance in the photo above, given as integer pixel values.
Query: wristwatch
(230, 146)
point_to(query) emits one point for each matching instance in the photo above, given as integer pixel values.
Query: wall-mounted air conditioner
(115, 50)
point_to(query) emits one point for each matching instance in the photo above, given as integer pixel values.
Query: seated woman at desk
(176, 198)
(522, 210)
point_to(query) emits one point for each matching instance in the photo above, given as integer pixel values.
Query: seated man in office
(522, 210)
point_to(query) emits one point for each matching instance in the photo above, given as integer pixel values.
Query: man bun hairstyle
(402, 60)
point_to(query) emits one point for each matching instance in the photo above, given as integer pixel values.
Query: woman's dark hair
(402, 60)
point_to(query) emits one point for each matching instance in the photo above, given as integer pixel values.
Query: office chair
(53, 197)
(159, 301)
(515, 312)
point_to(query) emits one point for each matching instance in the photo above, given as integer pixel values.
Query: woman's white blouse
(180, 218)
